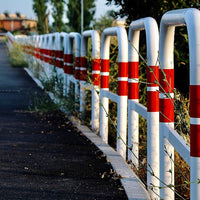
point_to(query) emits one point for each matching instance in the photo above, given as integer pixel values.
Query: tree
(156, 8)
(103, 22)
(135, 9)
(58, 10)
(40, 9)
(74, 14)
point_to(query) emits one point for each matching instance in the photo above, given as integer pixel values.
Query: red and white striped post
(190, 18)
(152, 37)
(76, 39)
(46, 55)
(37, 48)
(95, 74)
(66, 64)
(51, 55)
(120, 32)
(59, 55)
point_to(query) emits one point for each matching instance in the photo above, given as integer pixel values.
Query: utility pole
(82, 16)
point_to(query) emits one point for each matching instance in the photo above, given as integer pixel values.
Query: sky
(25, 7)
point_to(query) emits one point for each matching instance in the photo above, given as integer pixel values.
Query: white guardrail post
(152, 37)
(76, 37)
(120, 32)
(191, 18)
(51, 54)
(95, 75)
(65, 43)
(58, 59)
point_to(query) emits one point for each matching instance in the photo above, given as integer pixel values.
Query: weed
(42, 103)
(17, 57)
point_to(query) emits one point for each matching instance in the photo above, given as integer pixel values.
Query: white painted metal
(58, 47)
(95, 89)
(50, 47)
(190, 18)
(65, 46)
(75, 38)
(120, 32)
(152, 37)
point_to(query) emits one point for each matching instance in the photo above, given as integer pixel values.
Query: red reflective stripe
(133, 72)
(166, 110)
(122, 88)
(195, 140)
(152, 81)
(123, 84)
(83, 75)
(133, 69)
(133, 90)
(96, 67)
(104, 78)
(105, 82)
(96, 64)
(166, 79)
(59, 54)
(77, 68)
(52, 57)
(83, 72)
(104, 65)
(84, 62)
(65, 57)
(195, 101)
(68, 58)
(152, 76)
(96, 79)
(59, 63)
(152, 101)
(122, 69)
(52, 53)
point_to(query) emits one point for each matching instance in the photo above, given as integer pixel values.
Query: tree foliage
(40, 9)
(58, 11)
(135, 9)
(74, 14)
(103, 22)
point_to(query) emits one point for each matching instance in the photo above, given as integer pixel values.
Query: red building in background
(13, 22)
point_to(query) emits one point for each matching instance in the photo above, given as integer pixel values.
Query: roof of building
(16, 16)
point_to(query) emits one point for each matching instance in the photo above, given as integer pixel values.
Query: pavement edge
(134, 188)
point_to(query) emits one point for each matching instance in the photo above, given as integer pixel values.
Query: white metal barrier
(73, 77)
(169, 139)
(151, 113)
(53, 49)
(121, 97)
(95, 75)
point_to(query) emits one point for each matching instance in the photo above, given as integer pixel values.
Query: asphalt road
(42, 155)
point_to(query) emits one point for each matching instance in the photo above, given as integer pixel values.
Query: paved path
(42, 156)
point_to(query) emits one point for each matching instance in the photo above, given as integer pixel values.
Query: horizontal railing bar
(139, 108)
(178, 143)
(110, 95)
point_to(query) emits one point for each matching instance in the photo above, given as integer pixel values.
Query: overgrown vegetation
(17, 57)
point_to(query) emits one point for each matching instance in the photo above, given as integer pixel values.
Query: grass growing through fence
(42, 103)
(181, 116)
(17, 57)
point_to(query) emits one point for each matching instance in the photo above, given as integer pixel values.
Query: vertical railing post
(190, 18)
(150, 26)
(58, 60)
(95, 75)
(120, 32)
(65, 61)
(76, 37)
